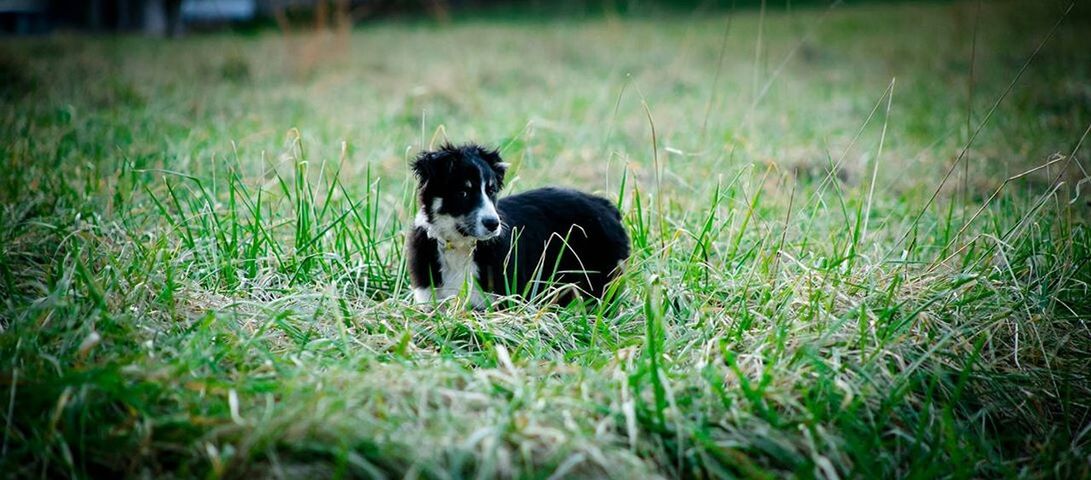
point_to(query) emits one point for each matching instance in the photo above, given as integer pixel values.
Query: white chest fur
(458, 272)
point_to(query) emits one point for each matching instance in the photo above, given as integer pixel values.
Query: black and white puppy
(464, 240)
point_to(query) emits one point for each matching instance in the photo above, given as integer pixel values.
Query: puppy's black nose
(490, 224)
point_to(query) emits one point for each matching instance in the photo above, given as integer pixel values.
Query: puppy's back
(561, 235)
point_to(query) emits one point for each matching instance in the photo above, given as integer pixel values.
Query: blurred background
(788, 83)
(174, 17)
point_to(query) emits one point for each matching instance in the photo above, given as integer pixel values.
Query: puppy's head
(457, 187)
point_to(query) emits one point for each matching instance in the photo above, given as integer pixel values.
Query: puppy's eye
(464, 194)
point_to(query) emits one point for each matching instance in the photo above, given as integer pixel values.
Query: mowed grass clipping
(861, 248)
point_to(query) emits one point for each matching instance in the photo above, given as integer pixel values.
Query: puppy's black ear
(430, 164)
(498, 165)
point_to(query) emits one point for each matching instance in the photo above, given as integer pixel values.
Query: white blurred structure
(206, 11)
(23, 16)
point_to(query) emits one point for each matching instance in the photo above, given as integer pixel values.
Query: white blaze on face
(485, 210)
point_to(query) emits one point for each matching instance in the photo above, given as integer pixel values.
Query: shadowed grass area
(861, 248)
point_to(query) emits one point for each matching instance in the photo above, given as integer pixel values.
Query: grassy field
(840, 268)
